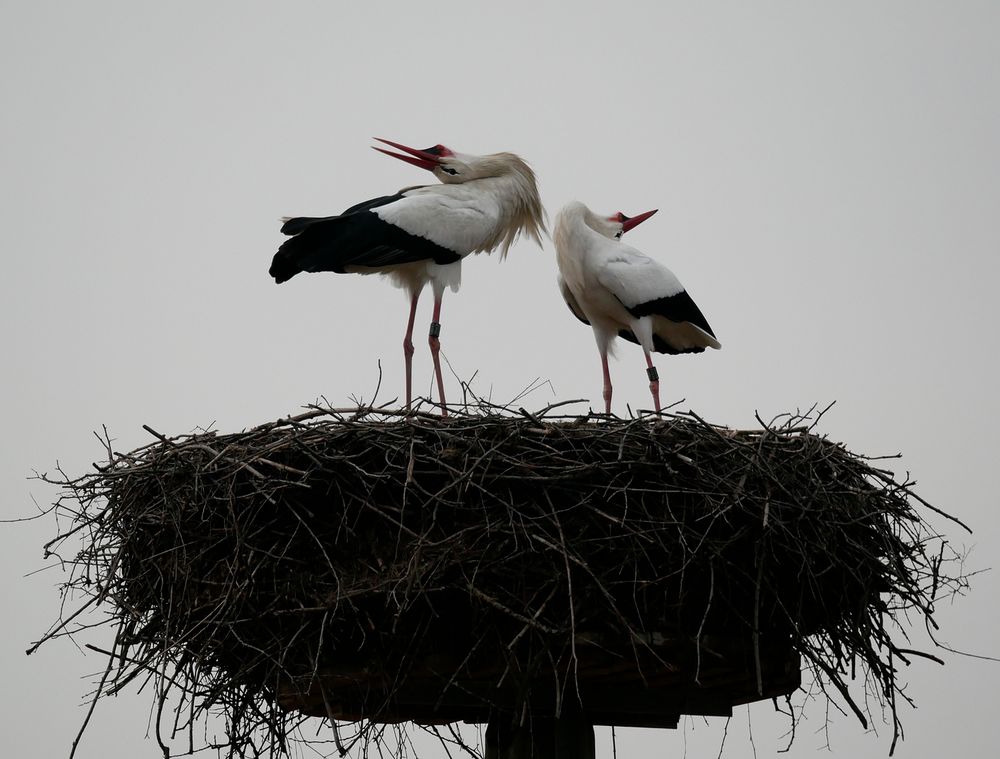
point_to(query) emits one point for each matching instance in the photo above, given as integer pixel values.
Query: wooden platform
(650, 684)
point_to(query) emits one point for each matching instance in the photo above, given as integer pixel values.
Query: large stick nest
(373, 566)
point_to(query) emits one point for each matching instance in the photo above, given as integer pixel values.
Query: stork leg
(408, 348)
(435, 344)
(654, 381)
(607, 382)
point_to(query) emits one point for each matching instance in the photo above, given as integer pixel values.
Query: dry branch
(360, 564)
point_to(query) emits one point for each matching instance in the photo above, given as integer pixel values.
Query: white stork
(621, 292)
(420, 235)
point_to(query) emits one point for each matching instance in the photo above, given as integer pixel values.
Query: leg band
(435, 329)
(651, 373)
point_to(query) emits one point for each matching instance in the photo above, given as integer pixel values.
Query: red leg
(408, 348)
(654, 381)
(607, 382)
(435, 344)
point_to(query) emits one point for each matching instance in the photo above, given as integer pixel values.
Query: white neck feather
(517, 194)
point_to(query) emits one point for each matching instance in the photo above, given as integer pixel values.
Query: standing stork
(621, 292)
(420, 235)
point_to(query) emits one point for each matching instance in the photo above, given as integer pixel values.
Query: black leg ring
(435, 329)
(651, 373)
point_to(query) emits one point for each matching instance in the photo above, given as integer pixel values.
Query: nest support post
(567, 736)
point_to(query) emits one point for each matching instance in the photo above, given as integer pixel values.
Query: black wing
(296, 225)
(356, 237)
(679, 308)
(676, 308)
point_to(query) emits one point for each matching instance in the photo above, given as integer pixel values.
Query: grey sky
(827, 176)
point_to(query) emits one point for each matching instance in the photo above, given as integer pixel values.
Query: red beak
(421, 158)
(628, 222)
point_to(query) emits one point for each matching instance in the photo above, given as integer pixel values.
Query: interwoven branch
(365, 564)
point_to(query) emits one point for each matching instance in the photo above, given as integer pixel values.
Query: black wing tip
(677, 308)
(295, 225)
(283, 268)
(662, 346)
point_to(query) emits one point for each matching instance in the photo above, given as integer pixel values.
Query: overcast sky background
(827, 175)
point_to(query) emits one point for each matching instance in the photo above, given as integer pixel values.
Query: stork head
(447, 165)
(613, 226)
(621, 223)
(521, 210)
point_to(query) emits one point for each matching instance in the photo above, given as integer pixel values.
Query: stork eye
(440, 150)
(449, 170)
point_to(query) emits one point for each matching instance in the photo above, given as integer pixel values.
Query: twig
(372, 562)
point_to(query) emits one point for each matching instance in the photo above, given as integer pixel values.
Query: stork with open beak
(621, 292)
(420, 235)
